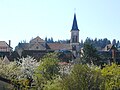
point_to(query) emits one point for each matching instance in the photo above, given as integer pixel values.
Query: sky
(25, 19)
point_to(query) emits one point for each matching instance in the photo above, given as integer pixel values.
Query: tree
(89, 54)
(81, 43)
(27, 66)
(65, 56)
(114, 42)
(46, 39)
(52, 40)
(53, 84)
(118, 43)
(8, 71)
(24, 73)
(82, 77)
(111, 75)
(47, 70)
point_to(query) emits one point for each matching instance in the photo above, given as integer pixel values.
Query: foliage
(65, 55)
(19, 72)
(53, 84)
(45, 75)
(49, 40)
(98, 43)
(27, 68)
(90, 77)
(89, 54)
(9, 71)
(111, 75)
(47, 70)
(82, 78)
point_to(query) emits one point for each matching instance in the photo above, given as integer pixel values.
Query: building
(74, 41)
(5, 49)
(38, 47)
(109, 54)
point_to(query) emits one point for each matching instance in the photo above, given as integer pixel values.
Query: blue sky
(24, 19)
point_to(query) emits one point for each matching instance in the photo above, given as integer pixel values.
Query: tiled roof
(3, 44)
(59, 46)
(37, 39)
(23, 45)
(31, 46)
(4, 47)
(37, 46)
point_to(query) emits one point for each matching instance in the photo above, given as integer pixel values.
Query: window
(37, 47)
(74, 39)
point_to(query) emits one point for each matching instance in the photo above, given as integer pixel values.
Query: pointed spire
(74, 26)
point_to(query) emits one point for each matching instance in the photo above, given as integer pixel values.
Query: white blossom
(27, 67)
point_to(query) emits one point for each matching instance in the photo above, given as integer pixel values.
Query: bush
(111, 75)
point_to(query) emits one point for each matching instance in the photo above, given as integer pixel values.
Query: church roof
(74, 26)
(37, 39)
(37, 46)
(59, 46)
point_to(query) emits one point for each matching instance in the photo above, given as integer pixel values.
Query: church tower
(74, 41)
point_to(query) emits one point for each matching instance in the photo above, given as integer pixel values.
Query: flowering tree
(27, 68)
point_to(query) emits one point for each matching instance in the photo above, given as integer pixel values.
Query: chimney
(9, 43)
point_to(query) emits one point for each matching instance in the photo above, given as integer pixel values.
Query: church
(38, 47)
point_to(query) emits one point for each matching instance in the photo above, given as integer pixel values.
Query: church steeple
(75, 31)
(74, 41)
(74, 26)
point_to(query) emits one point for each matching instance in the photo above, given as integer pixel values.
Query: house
(110, 54)
(5, 49)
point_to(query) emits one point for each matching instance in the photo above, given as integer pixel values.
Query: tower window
(74, 39)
